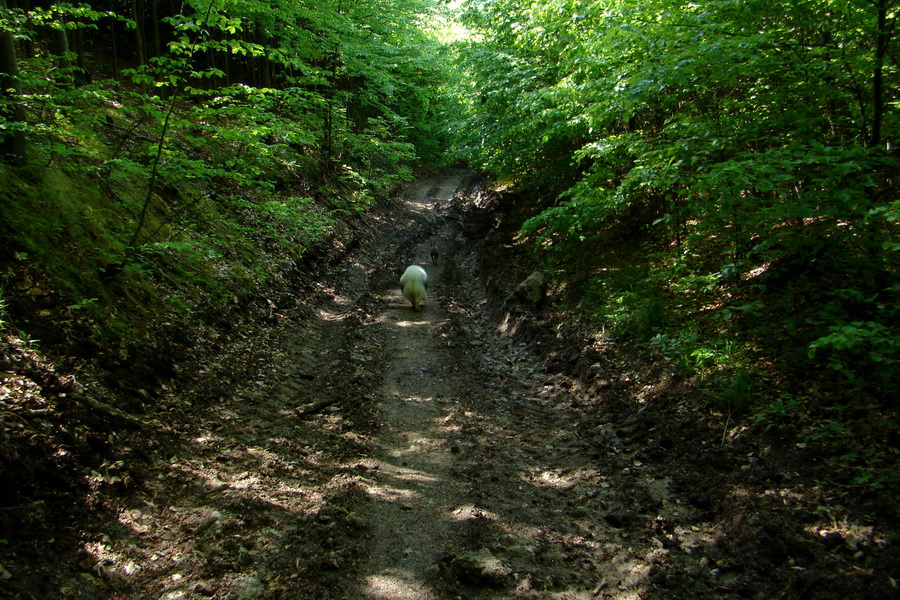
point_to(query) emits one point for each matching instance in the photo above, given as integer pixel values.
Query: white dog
(414, 285)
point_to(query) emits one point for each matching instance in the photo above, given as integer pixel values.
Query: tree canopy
(347, 82)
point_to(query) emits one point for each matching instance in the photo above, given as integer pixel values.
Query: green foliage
(294, 223)
(738, 390)
(860, 347)
(349, 66)
(624, 301)
(744, 136)
(750, 145)
(784, 412)
(188, 181)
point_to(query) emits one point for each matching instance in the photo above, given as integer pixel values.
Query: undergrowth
(217, 233)
(758, 346)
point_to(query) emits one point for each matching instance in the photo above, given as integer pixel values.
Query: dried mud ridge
(374, 452)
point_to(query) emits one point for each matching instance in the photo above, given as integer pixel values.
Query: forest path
(479, 483)
(337, 445)
(366, 451)
(412, 462)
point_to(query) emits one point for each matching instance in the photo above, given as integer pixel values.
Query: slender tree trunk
(874, 236)
(59, 42)
(154, 18)
(115, 53)
(882, 42)
(229, 68)
(83, 73)
(265, 65)
(12, 144)
(160, 146)
(330, 94)
(137, 13)
(26, 46)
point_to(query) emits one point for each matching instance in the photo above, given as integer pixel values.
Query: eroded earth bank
(475, 449)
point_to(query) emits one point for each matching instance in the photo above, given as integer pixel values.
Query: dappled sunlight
(416, 444)
(471, 512)
(423, 399)
(658, 351)
(104, 561)
(248, 484)
(404, 474)
(856, 537)
(395, 584)
(340, 300)
(412, 324)
(399, 483)
(419, 207)
(332, 316)
(391, 494)
(560, 479)
(509, 325)
(176, 533)
(376, 319)
(756, 271)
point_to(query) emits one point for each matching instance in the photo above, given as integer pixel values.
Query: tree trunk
(83, 73)
(59, 42)
(137, 13)
(154, 18)
(115, 52)
(882, 42)
(12, 144)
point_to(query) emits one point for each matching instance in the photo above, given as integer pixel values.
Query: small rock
(481, 567)
(532, 291)
(203, 589)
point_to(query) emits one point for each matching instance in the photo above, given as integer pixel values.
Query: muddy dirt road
(471, 478)
(378, 452)
(475, 475)
(367, 451)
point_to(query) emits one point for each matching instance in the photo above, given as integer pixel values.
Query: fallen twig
(315, 407)
(104, 407)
